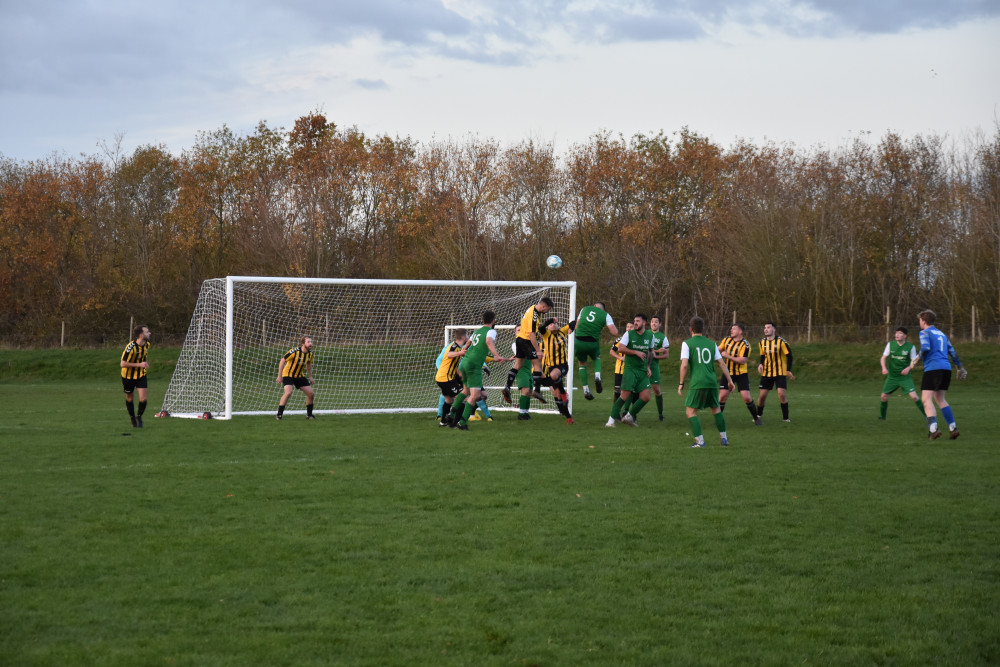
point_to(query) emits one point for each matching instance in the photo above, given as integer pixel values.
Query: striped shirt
(531, 322)
(739, 348)
(134, 354)
(774, 356)
(449, 365)
(296, 362)
(556, 346)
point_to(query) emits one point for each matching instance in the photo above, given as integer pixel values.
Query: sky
(85, 77)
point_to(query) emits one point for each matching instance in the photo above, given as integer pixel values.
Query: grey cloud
(371, 84)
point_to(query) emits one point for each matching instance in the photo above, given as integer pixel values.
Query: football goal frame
(374, 341)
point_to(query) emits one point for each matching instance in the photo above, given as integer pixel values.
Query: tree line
(663, 223)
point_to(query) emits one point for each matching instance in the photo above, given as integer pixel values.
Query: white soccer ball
(554, 261)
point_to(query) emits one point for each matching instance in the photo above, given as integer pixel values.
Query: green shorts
(472, 374)
(654, 368)
(524, 379)
(635, 380)
(702, 398)
(585, 350)
(904, 382)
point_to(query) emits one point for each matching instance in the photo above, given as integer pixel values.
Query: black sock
(444, 411)
(537, 379)
(142, 408)
(753, 409)
(281, 410)
(309, 409)
(784, 410)
(722, 406)
(760, 410)
(511, 375)
(130, 407)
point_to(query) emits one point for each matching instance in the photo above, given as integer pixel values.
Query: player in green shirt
(482, 343)
(637, 346)
(661, 350)
(898, 359)
(700, 355)
(589, 326)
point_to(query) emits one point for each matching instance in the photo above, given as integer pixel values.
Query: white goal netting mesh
(374, 342)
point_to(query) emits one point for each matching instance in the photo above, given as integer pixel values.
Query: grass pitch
(381, 540)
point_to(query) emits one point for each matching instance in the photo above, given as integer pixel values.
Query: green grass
(836, 539)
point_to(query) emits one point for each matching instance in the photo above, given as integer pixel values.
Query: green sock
(616, 409)
(469, 409)
(659, 405)
(637, 406)
(920, 407)
(597, 366)
(628, 402)
(720, 422)
(695, 426)
(523, 403)
(456, 406)
(883, 408)
(583, 377)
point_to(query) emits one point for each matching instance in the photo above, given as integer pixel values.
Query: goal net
(375, 342)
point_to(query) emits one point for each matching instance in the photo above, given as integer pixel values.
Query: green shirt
(900, 356)
(476, 353)
(639, 342)
(702, 355)
(591, 321)
(658, 338)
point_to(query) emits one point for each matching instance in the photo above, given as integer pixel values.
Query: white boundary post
(229, 347)
(571, 389)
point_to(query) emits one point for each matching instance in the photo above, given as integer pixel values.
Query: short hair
(302, 341)
(773, 325)
(138, 331)
(489, 317)
(600, 304)
(547, 301)
(903, 329)
(742, 326)
(656, 317)
(697, 324)
(460, 333)
(643, 316)
(927, 316)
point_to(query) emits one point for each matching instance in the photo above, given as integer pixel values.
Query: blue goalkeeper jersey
(935, 349)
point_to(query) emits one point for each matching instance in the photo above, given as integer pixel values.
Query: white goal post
(374, 341)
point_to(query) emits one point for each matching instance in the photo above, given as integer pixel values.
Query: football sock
(722, 405)
(932, 423)
(883, 408)
(511, 375)
(720, 423)
(695, 426)
(659, 405)
(949, 418)
(309, 409)
(920, 407)
(281, 410)
(760, 410)
(784, 410)
(130, 406)
(523, 403)
(441, 404)
(536, 380)
(583, 378)
(469, 409)
(597, 368)
(616, 409)
(753, 409)
(456, 407)
(142, 408)
(637, 406)
(445, 411)
(485, 410)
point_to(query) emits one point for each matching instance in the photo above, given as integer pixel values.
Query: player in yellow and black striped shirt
(775, 366)
(447, 377)
(295, 372)
(555, 343)
(736, 351)
(527, 346)
(134, 367)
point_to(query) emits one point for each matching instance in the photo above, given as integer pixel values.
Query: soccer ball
(554, 261)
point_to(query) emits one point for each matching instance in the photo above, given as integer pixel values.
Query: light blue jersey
(935, 349)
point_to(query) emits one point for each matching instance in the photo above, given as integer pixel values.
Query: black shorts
(769, 383)
(938, 380)
(130, 385)
(742, 382)
(299, 382)
(563, 370)
(523, 349)
(451, 387)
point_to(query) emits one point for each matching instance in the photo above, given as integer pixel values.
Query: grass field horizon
(378, 540)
